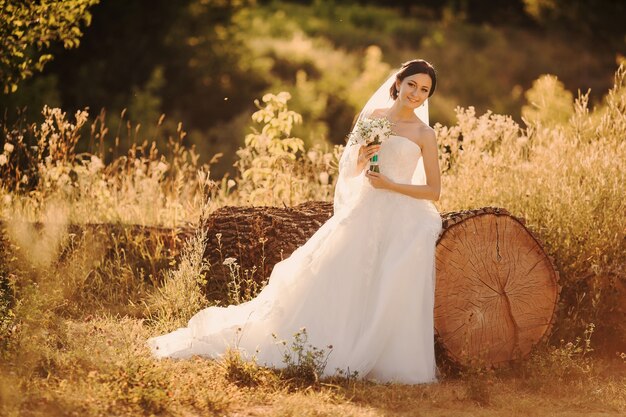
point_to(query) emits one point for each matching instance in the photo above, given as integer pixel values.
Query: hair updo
(415, 66)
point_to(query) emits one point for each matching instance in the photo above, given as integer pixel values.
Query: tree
(601, 22)
(27, 29)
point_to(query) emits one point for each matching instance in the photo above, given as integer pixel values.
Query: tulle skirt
(362, 287)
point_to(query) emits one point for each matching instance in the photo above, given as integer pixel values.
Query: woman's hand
(378, 180)
(365, 153)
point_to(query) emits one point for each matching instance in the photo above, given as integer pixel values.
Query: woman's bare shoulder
(422, 134)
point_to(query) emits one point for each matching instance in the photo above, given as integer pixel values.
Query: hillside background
(203, 62)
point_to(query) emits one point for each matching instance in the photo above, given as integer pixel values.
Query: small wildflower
(3, 160)
(95, 164)
(8, 147)
(162, 167)
(231, 184)
(229, 261)
(324, 178)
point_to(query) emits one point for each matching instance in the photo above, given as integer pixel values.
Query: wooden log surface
(259, 237)
(496, 290)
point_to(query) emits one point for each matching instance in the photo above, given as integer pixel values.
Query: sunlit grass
(566, 178)
(77, 305)
(102, 367)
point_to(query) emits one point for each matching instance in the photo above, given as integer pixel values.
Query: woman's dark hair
(415, 66)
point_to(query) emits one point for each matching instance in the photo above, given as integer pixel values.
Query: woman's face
(414, 90)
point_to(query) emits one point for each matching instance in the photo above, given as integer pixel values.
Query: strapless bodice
(398, 157)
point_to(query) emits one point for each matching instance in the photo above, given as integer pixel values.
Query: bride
(363, 285)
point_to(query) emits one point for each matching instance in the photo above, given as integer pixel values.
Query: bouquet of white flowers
(371, 131)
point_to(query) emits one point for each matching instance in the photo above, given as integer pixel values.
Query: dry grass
(101, 367)
(77, 308)
(565, 175)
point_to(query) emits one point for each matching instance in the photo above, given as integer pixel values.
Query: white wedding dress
(363, 283)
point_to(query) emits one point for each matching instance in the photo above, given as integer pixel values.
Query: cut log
(496, 289)
(259, 237)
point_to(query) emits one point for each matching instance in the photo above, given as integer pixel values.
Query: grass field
(100, 367)
(76, 310)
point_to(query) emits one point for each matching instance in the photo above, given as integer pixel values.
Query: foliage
(599, 22)
(242, 285)
(181, 295)
(140, 186)
(549, 103)
(569, 360)
(203, 63)
(565, 178)
(569, 363)
(272, 167)
(29, 27)
(479, 381)
(302, 362)
(242, 372)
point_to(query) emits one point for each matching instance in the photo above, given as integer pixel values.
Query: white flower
(63, 179)
(8, 147)
(324, 178)
(95, 165)
(3, 160)
(230, 184)
(378, 131)
(366, 131)
(263, 140)
(161, 167)
(230, 261)
(312, 155)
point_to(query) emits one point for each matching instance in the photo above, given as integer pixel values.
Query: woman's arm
(422, 192)
(432, 189)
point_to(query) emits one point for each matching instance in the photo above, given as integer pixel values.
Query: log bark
(260, 237)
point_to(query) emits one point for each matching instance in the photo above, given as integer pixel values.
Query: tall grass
(69, 345)
(142, 186)
(564, 173)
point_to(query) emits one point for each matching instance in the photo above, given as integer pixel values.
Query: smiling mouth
(412, 100)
